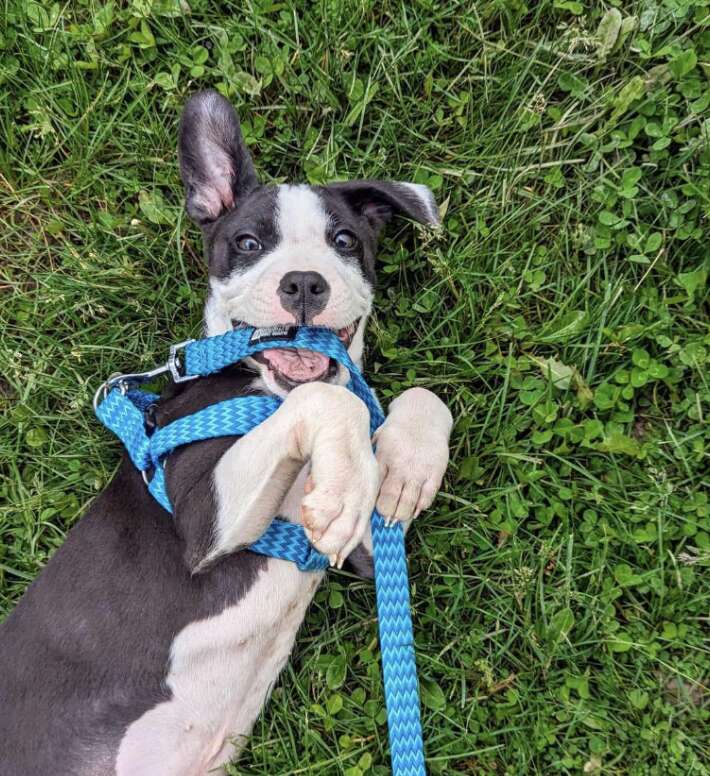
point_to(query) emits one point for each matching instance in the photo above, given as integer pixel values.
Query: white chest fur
(221, 672)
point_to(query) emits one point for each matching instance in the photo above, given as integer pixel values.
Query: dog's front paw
(412, 453)
(342, 485)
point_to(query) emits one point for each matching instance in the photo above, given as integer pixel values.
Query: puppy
(150, 642)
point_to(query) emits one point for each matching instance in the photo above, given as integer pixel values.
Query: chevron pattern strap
(288, 541)
(232, 417)
(127, 421)
(397, 647)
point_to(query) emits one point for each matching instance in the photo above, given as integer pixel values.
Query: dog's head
(290, 254)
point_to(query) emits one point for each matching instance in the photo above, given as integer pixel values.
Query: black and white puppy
(150, 642)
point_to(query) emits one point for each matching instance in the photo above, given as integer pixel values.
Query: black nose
(305, 294)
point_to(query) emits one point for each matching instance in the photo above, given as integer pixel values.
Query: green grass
(561, 591)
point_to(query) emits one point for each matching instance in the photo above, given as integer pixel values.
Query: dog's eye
(247, 243)
(344, 240)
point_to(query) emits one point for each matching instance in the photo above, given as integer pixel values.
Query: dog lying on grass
(149, 644)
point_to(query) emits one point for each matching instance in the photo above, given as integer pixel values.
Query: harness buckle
(174, 365)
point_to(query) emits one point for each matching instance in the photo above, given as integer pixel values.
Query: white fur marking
(424, 195)
(222, 670)
(412, 452)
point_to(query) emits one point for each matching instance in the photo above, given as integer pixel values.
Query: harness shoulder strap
(231, 417)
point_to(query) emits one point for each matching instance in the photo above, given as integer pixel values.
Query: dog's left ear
(215, 165)
(378, 201)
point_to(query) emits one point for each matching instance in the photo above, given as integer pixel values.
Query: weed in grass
(560, 584)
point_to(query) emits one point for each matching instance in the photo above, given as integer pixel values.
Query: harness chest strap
(122, 410)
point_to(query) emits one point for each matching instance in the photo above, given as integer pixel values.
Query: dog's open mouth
(294, 366)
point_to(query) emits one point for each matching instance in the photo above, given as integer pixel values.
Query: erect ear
(378, 201)
(215, 166)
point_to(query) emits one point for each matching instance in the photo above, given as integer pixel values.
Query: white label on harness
(283, 332)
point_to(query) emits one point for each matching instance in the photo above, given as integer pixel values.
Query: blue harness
(122, 408)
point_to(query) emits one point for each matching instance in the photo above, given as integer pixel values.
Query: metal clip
(174, 365)
(123, 381)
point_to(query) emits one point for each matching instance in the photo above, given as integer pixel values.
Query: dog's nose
(305, 294)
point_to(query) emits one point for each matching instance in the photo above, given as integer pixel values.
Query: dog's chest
(221, 672)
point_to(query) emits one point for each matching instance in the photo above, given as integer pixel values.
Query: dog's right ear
(215, 166)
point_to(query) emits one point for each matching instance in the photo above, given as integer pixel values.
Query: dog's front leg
(412, 453)
(320, 424)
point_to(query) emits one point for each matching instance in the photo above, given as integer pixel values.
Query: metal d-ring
(116, 379)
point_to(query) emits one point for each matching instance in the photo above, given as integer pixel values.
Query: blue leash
(121, 408)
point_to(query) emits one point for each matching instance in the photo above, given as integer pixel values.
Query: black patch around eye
(341, 219)
(254, 217)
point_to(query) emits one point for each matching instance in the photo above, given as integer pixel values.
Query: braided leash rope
(123, 411)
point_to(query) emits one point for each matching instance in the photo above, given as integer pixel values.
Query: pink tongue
(298, 365)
